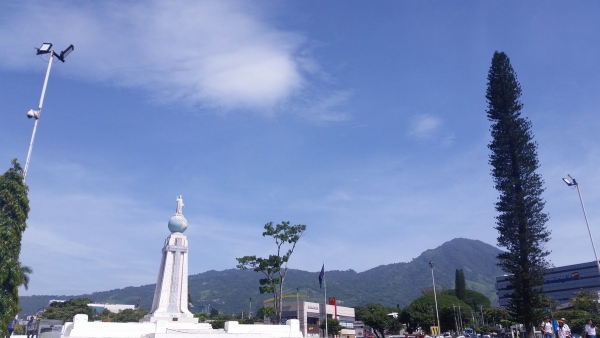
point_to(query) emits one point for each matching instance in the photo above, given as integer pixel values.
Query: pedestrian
(31, 327)
(561, 333)
(566, 328)
(590, 329)
(546, 328)
(11, 326)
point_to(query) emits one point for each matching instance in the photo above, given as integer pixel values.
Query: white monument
(169, 316)
(170, 295)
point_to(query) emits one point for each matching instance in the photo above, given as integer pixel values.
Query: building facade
(311, 316)
(560, 283)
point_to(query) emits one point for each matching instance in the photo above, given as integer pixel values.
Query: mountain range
(392, 285)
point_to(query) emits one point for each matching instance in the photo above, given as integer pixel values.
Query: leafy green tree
(265, 312)
(214, 313)
(585, 300)
(202, 316)
(460, 284)
(219, 321)
(333, 327)
(475, 299)
(67, 310)
(496, 314)
(25, 272)
(376, 317)
(126, 316)
(14, 209)
(521, 222)
(275, 267)
(421, 312)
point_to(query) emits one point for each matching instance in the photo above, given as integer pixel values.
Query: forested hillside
(393, 284)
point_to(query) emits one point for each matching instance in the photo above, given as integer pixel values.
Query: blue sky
(363, 120)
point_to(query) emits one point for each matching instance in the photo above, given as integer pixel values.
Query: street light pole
(435, 298)
(250, 311)
(37, 114)
(573, 182)
(45, 49)
(297, 304)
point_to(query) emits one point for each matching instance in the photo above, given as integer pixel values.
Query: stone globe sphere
(177, 223)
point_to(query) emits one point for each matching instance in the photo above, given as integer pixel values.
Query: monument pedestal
(171, 293)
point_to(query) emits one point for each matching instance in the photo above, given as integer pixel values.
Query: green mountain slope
(400, 283)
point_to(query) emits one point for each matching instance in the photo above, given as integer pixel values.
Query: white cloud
(215, 54)
(424, 126)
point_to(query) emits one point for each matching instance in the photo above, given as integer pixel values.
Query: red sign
(333, 302)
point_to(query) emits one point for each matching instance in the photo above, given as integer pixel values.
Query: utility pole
(455, 321)
(481, 308)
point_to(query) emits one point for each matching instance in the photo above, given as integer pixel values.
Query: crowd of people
(561, 329)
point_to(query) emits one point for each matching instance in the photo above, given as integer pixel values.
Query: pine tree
(14, 207)
(460, 286)
(521, 221)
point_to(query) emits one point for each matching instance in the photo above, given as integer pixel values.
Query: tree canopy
(14, 210)
(333, 327)
(124, 316)
(376, 317)
(65, 311)
(475, 299)
(421, 312)
(275, 267)
(520, 221)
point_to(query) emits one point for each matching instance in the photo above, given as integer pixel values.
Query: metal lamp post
(573, 182)
(435, 298)
(46, 48)
(250, 311)
(297, 304)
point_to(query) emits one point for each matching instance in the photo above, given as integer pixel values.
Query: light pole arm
(37, 116)
(588, 226)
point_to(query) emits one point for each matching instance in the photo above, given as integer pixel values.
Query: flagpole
(325, 284)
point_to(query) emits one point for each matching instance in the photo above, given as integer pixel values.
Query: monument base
(166, 318)
(81, 328)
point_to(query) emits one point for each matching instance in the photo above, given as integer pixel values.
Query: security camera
(33, 114)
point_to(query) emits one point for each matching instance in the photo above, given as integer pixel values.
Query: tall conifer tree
(521, 221)
(460, 285)
(14, 207)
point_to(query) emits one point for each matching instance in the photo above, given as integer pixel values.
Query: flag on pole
(321, 276)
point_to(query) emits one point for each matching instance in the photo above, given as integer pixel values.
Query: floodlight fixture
(65, 52)
(45, 49)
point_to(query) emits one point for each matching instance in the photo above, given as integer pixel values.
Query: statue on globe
(180, 205)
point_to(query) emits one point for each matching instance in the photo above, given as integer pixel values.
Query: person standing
(561, 333)
(546, 328)
(11, 326)
(590, 329)
(566, 328)
(31, 327)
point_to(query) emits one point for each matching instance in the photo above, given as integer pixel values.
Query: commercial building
(560, 283)
(311, 316)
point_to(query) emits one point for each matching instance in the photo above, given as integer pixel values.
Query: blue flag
(321, 276)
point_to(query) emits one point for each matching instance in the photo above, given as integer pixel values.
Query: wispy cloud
(213, 54)
(329, 108)
(424, 126)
